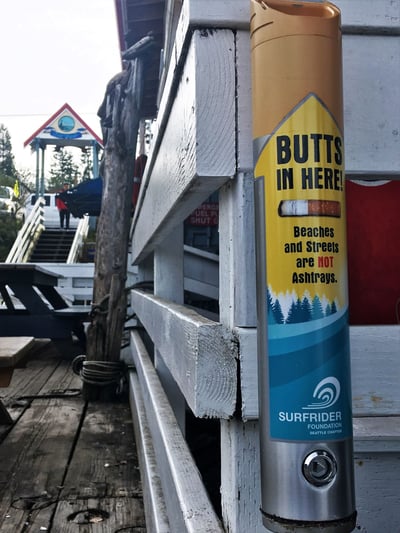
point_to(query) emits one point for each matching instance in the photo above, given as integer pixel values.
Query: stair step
(53, 246)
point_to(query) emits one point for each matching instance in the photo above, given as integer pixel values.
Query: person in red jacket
(63, 209)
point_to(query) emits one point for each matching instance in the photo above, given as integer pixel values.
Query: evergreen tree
(7, 166)
(62, 170)
(316, 309)
(270, 308)
(295, 314)
(305, 312)
(86, 167)
(9, 227)
(291, 318)
(277, 311)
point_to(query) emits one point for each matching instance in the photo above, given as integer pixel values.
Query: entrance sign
(64, 128)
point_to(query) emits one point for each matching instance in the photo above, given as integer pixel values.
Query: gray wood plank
(377, 492)
(95, 515)
(375, 368)
(153, 497)
(43, 371)
(203, 156)
(34, 457)
(13, 349)
(199, 353)
(35, 452)
(104, 461)
(364, 14)
(189, 508)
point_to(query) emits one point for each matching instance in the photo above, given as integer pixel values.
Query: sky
(54, 52)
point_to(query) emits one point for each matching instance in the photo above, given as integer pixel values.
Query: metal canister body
(303, 335)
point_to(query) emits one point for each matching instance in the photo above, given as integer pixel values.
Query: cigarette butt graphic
(303, 208)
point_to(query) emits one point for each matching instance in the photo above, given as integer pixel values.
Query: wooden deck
(66, 464)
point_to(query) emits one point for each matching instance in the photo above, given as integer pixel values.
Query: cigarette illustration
(304, 208)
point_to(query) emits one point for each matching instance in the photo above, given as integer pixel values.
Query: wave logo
(326, 393)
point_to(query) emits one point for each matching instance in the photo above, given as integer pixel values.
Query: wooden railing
(79, 238)
(28, 235)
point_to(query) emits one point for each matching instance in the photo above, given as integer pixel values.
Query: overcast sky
(54, 52)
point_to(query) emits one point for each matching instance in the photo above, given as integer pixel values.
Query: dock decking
(66, 465)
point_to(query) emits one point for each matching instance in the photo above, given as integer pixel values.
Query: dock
(65, 462)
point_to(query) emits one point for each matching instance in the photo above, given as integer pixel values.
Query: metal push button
(319, 468)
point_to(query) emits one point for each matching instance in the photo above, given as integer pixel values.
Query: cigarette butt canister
(302, 298)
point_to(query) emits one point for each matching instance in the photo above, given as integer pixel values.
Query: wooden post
(120, 116)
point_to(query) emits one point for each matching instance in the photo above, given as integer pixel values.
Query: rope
(99, 373)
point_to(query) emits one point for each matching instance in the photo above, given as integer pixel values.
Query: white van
(51, 215)
(7, 204)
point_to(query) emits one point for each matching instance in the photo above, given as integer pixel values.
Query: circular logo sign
(66, 123)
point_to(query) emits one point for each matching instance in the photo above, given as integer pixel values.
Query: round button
(319, 468)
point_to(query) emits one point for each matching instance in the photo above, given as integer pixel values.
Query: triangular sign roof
(64, 128)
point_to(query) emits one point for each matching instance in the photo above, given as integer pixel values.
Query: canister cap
(272, 19)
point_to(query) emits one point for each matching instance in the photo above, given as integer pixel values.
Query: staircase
(53, 246)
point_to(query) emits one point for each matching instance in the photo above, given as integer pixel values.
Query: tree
(9, 227)
(316, 309)
(306, 310)
(278, 315)
(7, 166)
(26, 186)
(86, 165)
(63, 169)
(270, 308)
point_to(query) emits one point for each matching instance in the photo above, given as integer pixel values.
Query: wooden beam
(187, 502)
(178, 179)
(375, 370)
(153, 497)
(359, 13)
(200, 353)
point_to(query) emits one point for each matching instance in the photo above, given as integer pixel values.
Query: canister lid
(273, 19)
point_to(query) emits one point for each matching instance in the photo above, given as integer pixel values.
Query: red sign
(205, 215)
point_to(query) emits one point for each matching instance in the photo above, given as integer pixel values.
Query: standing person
(63, 209)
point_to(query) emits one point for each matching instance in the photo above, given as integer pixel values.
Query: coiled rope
(99, 373)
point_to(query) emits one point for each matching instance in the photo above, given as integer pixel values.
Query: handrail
(80, 235)
(28, 235)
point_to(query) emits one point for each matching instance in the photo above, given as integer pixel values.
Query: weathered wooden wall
(203, 143)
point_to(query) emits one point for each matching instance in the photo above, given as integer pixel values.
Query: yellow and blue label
(302, 167)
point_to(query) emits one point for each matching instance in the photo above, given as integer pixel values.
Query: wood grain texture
(375, 366)
(377, 434)
(62, 458)
(237, 253)
(233, 14)
(369, 97)
(359, 13)
(199, 353)
(244, 131)
(197, 152)
(247, 341)
(33, 459)
(87, 515)
(240, 476)
(377, 492)
(153, 497)
(104, 463)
